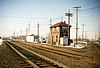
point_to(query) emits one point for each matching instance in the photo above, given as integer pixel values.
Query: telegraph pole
(20, 32)
(17, 35)
(38, 30)
(50, 38)
(26, 31)
(26, 35)
(28, 28)
(14, 32)
(85, 35)
(69, 15)
(95, 36)
(50, 22)
(77, 8)
(83, 32)
(99, 34)
(61, 18)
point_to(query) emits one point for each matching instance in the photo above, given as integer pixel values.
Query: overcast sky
(17, 14)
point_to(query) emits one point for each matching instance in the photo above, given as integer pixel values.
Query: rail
(25, 58)
(43, 57)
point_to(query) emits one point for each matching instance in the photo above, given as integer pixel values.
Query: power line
(23, 17)
(85, 34)
(80, 11)
(49, 18)
(90, 8)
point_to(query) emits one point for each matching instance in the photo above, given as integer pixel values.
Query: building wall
(55, 36)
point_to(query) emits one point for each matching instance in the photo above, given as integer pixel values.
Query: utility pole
(61, 18)
(20, 32)
(17, 35)
(28, 28)
(26, 35)
(50, 38)
(50, 22)
(77, 8)
(38, 30)
(95, 35)
(85, 35)
(14, 32)
(26, 31)
(99, 34)
(83, 32)
(69, 15)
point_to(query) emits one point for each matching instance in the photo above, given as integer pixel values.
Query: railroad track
(97, 46)
(36, 59)
(60, 50)
(55, 49)
(27, 63)
(9, 59)
(72, 55)
(51, 53)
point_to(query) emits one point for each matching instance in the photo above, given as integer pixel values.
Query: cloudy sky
(17, 14)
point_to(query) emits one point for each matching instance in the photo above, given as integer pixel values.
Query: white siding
(29, 38)
(63, 40)
(0, 41)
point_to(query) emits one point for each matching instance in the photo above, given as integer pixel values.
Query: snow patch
(79, 46)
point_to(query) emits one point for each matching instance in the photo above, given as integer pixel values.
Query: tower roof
(60, 24)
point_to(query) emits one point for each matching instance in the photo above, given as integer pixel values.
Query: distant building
(32, 38)
(59, 34)
(36, 38)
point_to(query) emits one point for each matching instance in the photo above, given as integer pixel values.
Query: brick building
(59, 32)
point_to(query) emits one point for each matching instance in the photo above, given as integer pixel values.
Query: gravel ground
(8, 59)
(90, 56)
